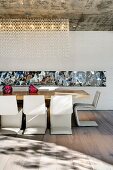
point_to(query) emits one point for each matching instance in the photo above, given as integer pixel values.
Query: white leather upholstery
(36, 115)
(8, 105)
(11, 119)
(60, 114)
(34, 105)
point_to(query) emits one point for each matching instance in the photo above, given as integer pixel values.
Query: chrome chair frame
(86, 106)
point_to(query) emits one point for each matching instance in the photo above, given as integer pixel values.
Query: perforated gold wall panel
(34, 25)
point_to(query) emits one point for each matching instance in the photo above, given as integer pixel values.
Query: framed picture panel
(54, 78)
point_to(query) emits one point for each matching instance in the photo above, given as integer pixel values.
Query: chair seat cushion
(9, 131)
(34, 131)
(61, 131)
(83, 105)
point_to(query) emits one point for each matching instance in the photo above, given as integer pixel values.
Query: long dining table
(48, 93)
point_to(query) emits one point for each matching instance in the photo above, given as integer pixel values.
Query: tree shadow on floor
(32, 154)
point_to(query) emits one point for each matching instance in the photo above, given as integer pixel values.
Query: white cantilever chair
(86, 106)
(36, 114)
(60, 114)
(11, 119)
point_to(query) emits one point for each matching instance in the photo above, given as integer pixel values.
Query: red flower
(32, 89)
(7, 89)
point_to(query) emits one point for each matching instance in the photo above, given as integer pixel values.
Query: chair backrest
(96, 99)
(10, 117)
(8, 105)
(61, 104)
(34, 105)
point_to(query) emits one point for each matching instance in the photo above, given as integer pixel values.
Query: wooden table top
(48, 94)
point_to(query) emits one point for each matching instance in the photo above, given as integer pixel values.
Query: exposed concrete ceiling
(84, 15)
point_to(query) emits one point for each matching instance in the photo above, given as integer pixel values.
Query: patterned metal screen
(54, 78)
(34, 25)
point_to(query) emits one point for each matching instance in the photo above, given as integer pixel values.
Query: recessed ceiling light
(63, 1)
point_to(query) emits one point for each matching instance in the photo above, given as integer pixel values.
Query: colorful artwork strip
(53, 78)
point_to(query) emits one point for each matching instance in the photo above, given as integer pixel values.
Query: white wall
(94, 51)
(76, 51)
